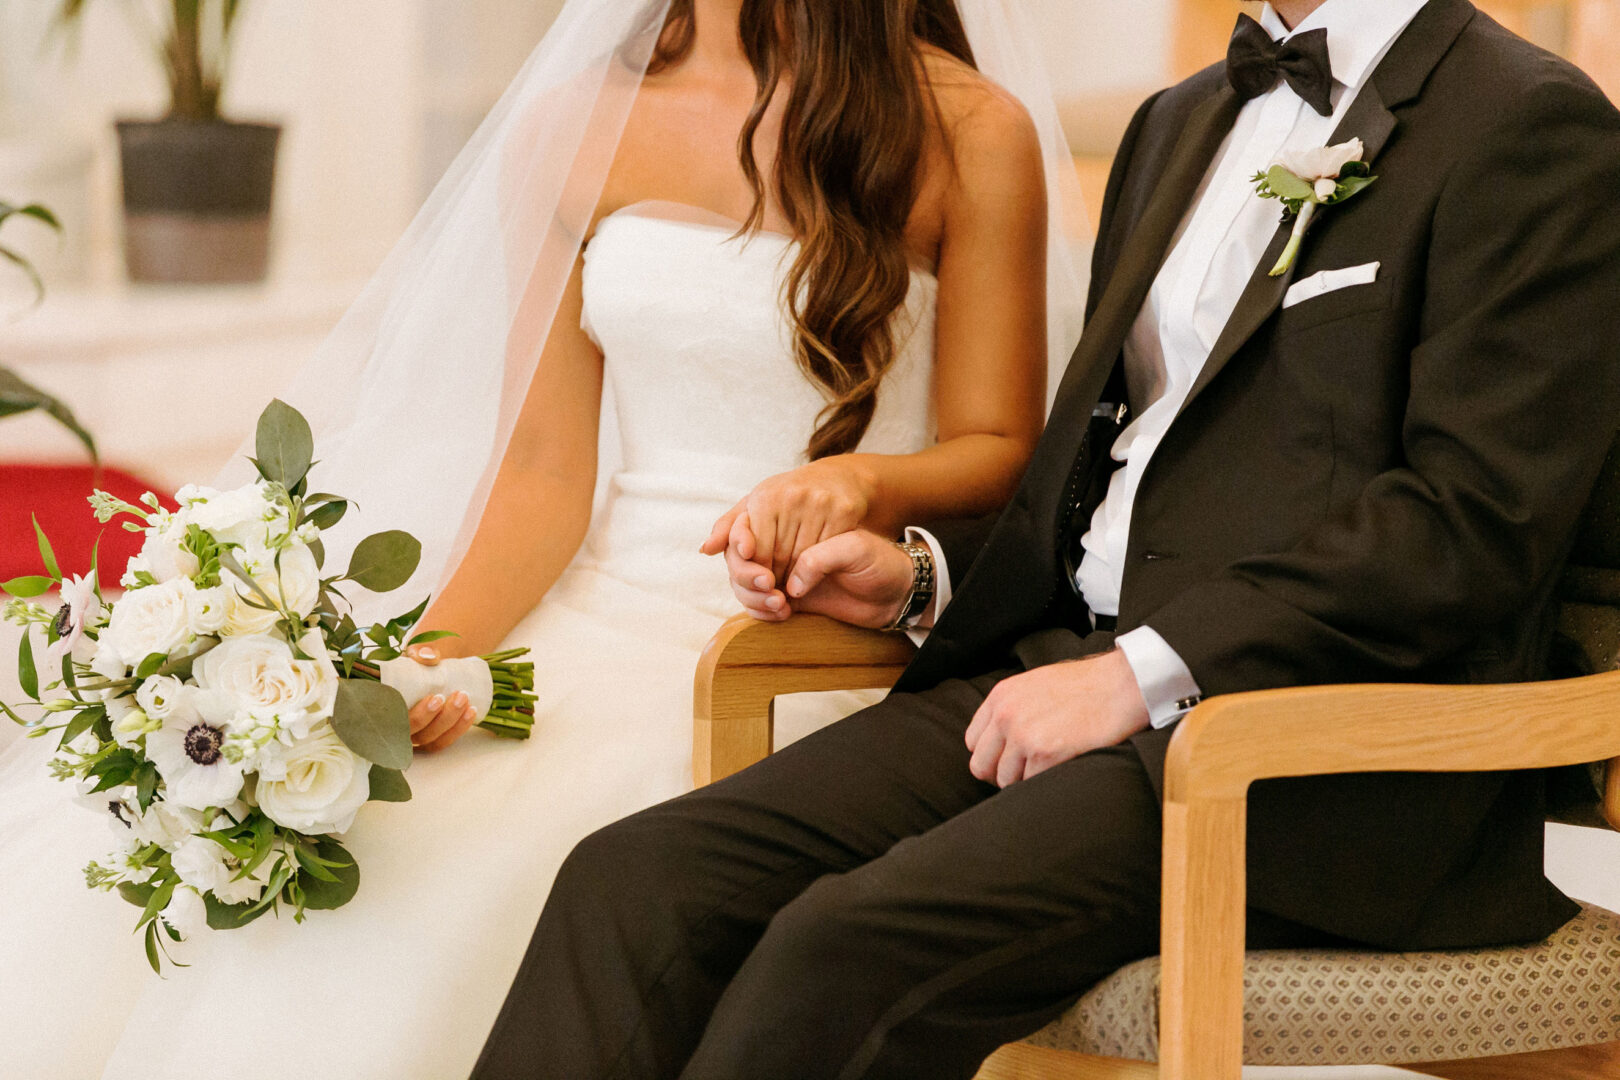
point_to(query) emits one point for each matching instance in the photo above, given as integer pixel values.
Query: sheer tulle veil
(414, 394)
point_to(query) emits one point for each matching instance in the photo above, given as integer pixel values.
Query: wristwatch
(922, 583)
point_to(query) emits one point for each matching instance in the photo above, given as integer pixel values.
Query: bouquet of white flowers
(226, 713)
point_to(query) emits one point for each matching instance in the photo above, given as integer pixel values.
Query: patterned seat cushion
(1332, 1007)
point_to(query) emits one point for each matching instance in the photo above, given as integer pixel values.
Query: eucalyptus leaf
(136, 894)
(328, 515)
(284, 446)
(326, 895)
(389, 785)
(1349, 185)
(223, 916)
(374, 722)
(1287, 185)
(384, 561)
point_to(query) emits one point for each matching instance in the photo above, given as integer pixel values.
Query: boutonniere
(1306, 179)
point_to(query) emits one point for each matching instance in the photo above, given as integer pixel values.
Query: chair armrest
(748, 663)
(1227, 743)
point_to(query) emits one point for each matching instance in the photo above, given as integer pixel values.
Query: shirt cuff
(917, 626)
(1167, 687)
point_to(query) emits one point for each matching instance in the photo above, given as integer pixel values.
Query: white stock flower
(186, 913)
(1320, 162)
(200, 863)
(147, 621)
(315, 786)
(161, 555)
(297, 588)
(240, 516)
(259, 675)
(189, 754)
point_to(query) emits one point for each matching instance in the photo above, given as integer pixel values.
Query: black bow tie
(1254, 63)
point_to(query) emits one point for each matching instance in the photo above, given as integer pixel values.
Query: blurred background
(372, 99)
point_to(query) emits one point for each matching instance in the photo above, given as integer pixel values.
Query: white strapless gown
(404, 982)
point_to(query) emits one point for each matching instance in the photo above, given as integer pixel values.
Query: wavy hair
(858, 114)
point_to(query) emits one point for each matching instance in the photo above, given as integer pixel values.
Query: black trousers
(857, 905)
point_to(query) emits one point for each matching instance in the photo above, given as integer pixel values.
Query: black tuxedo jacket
(1377, 484)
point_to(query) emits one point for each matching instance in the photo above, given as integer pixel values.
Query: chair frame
(1221, 747)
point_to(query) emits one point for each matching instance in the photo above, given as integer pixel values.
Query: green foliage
(389, 785)
(334, 888)
(284, 445)
(374, 722)
(384, 561)
(194, 48)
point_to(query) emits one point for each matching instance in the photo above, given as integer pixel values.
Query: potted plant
(17, 396)
(197, 187)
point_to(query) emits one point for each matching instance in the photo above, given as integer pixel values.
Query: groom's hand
(857, 577)
(1050, 714)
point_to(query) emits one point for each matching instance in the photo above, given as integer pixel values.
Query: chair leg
(1600, 1062)
(1021, 1061)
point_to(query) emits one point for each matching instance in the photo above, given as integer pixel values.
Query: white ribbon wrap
(414, 681)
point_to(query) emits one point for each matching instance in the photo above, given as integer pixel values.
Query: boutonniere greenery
(1306, 179)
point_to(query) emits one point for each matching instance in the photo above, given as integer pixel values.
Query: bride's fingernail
(427, 653)
(470, 715)
(774, 602)
(435, 703)
(762, 582)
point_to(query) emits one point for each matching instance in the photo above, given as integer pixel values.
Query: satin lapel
(1368, 120)
(1143, 254)
(1398, 80)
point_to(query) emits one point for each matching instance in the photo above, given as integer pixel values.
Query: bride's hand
(437, 721)
(753, 585)
(793, 511)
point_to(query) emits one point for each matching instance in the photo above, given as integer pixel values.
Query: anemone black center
(202, 744)
(63, 623)
(116, 808)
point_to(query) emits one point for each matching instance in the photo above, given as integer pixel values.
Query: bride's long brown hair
(859, 112)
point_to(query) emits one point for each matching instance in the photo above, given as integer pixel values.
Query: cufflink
(1187, 704)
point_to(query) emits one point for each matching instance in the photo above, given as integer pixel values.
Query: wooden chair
(1203, 1008)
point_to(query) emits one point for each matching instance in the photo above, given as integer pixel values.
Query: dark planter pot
(197, 199)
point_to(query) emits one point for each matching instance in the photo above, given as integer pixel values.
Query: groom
(1366, 468)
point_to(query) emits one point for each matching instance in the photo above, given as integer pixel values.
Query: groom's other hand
(1050, 714)
(857, 577)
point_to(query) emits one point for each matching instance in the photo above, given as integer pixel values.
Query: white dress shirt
(1220, 243)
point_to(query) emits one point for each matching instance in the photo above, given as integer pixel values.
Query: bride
(796, 253)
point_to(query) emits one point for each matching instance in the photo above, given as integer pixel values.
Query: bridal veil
(414, 395)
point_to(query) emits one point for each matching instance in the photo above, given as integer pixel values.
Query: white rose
(258, 675)
(240, 516)
(314, 786)
(200, 863)
(297, 588)
(1319, 162)
(207, 609)
(147, 621)
(186, 913)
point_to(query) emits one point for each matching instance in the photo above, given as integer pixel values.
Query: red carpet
(57, 494)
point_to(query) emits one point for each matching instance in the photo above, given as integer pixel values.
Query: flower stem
(1302, 221)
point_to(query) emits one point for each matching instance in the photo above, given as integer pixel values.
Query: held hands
(1050, 714)
(790, 513)
(857, 577)
(437, 721)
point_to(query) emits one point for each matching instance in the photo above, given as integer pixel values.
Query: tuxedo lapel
(1398, 80)
(1144, 253)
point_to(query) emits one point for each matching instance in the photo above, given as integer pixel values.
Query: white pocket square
(1329, 281)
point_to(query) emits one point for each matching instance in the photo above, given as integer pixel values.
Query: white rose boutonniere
(1302, 180)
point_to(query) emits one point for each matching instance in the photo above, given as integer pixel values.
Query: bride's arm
(540, 504)
(990, 368)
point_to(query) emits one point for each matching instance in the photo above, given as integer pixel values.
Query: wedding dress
(405, 981)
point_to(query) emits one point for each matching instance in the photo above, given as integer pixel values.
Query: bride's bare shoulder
(978, 115)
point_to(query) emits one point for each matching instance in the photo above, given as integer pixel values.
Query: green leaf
(1349, 186)
(27, 675)
(223, 916)
(284, 444)
(318, 549)
(1287, 185)
(136, 894)
(384, 561)
(82, 722)
(326, 895)
(17, 396)
(45, 552)
(146, 778)
(389, 785)
(27, 587)
(325, 517)
(431, 635)
(374, 722)
(152, 947)
(150, 665)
